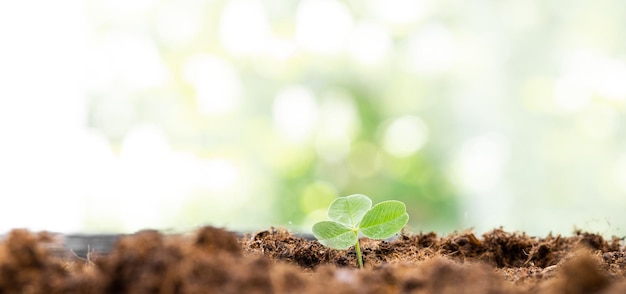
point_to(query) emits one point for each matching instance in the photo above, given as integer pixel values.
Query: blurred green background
(121, 115)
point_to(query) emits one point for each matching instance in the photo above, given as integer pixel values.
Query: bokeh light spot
(219, 174)
(337, 126)
(572, 93)
(216, 83)
(399, 12)
(370, 43)
(244, 27)
(295, 112)
(323, 26)
(405, 135)
(432, 50)
(610, 82)
(177, 24)
(482, 161)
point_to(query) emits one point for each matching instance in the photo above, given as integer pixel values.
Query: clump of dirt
(212, 260)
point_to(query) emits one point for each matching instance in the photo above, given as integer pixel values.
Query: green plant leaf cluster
(353, 214)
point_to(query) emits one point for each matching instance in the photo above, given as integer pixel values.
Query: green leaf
(384, 220)
(334, 235)
(349, 210)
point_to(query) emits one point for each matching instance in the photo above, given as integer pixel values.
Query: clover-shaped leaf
(334, 235)
(384, 220)
(349, 210)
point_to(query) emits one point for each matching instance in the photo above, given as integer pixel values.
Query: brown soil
(274, 261)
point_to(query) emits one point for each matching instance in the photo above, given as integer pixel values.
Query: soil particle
(580, 272)
(26, 267)
(213, 240)
(212, 260)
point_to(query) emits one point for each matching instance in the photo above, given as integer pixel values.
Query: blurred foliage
(430, 103)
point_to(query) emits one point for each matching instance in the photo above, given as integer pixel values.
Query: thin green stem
(359, 258)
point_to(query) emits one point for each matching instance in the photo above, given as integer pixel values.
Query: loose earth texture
(213, 260)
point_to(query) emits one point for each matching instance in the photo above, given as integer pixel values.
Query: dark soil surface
(212, 260)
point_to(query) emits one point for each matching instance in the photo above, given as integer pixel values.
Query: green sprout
(353, 214)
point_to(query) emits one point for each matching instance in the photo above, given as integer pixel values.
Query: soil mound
(212, 260)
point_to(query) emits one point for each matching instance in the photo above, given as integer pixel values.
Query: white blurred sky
(42, 114)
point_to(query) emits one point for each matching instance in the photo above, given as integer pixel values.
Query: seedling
(353, 214)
